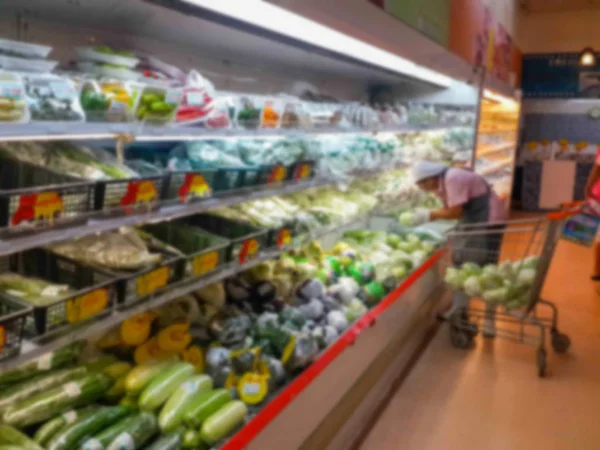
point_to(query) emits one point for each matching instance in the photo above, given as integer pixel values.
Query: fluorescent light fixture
(279, 20)
(494, 96)
(587, 57)
(57, 137)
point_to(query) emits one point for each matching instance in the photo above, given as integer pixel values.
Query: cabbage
(408, 247)
(490, 281)
(530, 262)
(406, 219)
(455, 278)
(414, 239)
(428, 247)
(472, 287)
(491, 270)
(400, 272)
(418, 257)
(498, 295)
(506, 270)
(526, 277)
(470, 268)
(355, 309)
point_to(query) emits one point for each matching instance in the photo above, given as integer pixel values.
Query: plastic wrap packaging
(271, 112)
(197, 102)
(201, 155)
(107, 100)
(247, 112)
(158, 103)
(13, 103)
(52, 98)
(119, 250)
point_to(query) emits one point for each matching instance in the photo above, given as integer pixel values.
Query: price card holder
(249, 250)
(302, 172)
(278, 174)
(2, 338)
(205, 263)
(284, 238)
(152, 281)
(86, 306)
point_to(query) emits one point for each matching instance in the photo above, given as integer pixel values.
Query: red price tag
(42, 206)
(302, 171)
(249, 250)
(277, 174)
(284, 238)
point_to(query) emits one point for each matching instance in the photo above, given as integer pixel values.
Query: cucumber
(100, 363)
(192, 439)
(53, 426)
(138, 378)
(38, 384)
(131, 425)
(43, 406)
(118, 369)
(9, 435)
(204, 405)
(137, 434)
(117, 391)
(53, 360)
(171, 415)
(86, 426)
(161, 387)
(130, 401)
(10, 447)
(171, 441)
(223, 422)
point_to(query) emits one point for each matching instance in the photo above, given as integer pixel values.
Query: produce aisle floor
(490, 397)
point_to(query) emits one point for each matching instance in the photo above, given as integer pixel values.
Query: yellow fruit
(136, 330)
(118, 369)
(174, 338)
(195, 356)
(150, 351)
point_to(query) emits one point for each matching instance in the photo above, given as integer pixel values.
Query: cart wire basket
(504, 265)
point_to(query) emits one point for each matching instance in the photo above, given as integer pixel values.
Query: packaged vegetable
(248, 113)
(52, 98)
(158, 104)
(107, 100)
(197, 100)
(13, 102)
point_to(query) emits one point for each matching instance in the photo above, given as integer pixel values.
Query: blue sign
(581, 229)
(559, 75)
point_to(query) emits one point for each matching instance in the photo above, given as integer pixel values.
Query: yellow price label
(205, 263)
(86, 306)
(152, 281)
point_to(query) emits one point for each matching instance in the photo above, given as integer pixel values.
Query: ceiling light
(282, 21)
(587, 57)
(494, 96)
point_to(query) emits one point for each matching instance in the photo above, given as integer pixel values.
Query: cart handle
(566, 210)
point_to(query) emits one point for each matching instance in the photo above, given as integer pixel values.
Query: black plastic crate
(246, 241)
(276, 173)
(132, 195)
(231, 178)
(94, 291)
(34, 198)
(301, 170)
(205, 252)
(187, 187)
(12, 323)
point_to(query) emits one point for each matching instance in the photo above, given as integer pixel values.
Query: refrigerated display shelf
(97, 225)
(139, 132)
(36, 347)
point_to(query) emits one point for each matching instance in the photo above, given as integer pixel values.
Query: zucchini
(38, 384)
(170, 441)
(171, 415)
(53, 426)
(223, 422)
(118, 369)
(10, 435)
(137, 434)
(130, 401)
(53, 360)
(161, 387)
(192, 439)
(100, 363)
(138, 378)
(43, 406)
(10, 447)
(131, 425)
(204, 405)
(117, 391)
(69, 437)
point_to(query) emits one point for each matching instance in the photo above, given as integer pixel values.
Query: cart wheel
(460, 338)
(560, 342)
(541, 362)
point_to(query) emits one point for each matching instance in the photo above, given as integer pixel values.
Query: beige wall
(568, 31)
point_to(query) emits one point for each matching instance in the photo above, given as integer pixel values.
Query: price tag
(70, 416)
(2, 338)
(195, 98)
(123, 442)
(251, 388)
(284, 238)
(87, 305)
(278, 174)
(194, 185)
(173, 96)
(10, 90)
(150, 282)
(302, 171)
(93, 444)
(205, 263)
(62, 90)
(249, 250)
(44, 362)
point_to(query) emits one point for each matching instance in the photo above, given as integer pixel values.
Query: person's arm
(451, 213)
(592, 179)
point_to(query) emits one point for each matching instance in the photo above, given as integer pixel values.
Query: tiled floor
(490, 397)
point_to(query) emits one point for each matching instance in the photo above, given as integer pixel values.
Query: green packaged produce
(171, 415)
(43, 435)
(12, 436)
(161, 387)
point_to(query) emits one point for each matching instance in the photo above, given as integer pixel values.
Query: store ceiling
(541, 6)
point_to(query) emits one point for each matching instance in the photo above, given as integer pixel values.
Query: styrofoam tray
(25, 48)
(89, 54)
(27, 65)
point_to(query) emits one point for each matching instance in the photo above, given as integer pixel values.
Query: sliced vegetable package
(108, 100)
(197, 101)
(52, 98)
(158, 103)
(248, 113)
(13, 103)
(222, 114)
(271, 113)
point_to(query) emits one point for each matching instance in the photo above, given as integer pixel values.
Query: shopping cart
(508, 251)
